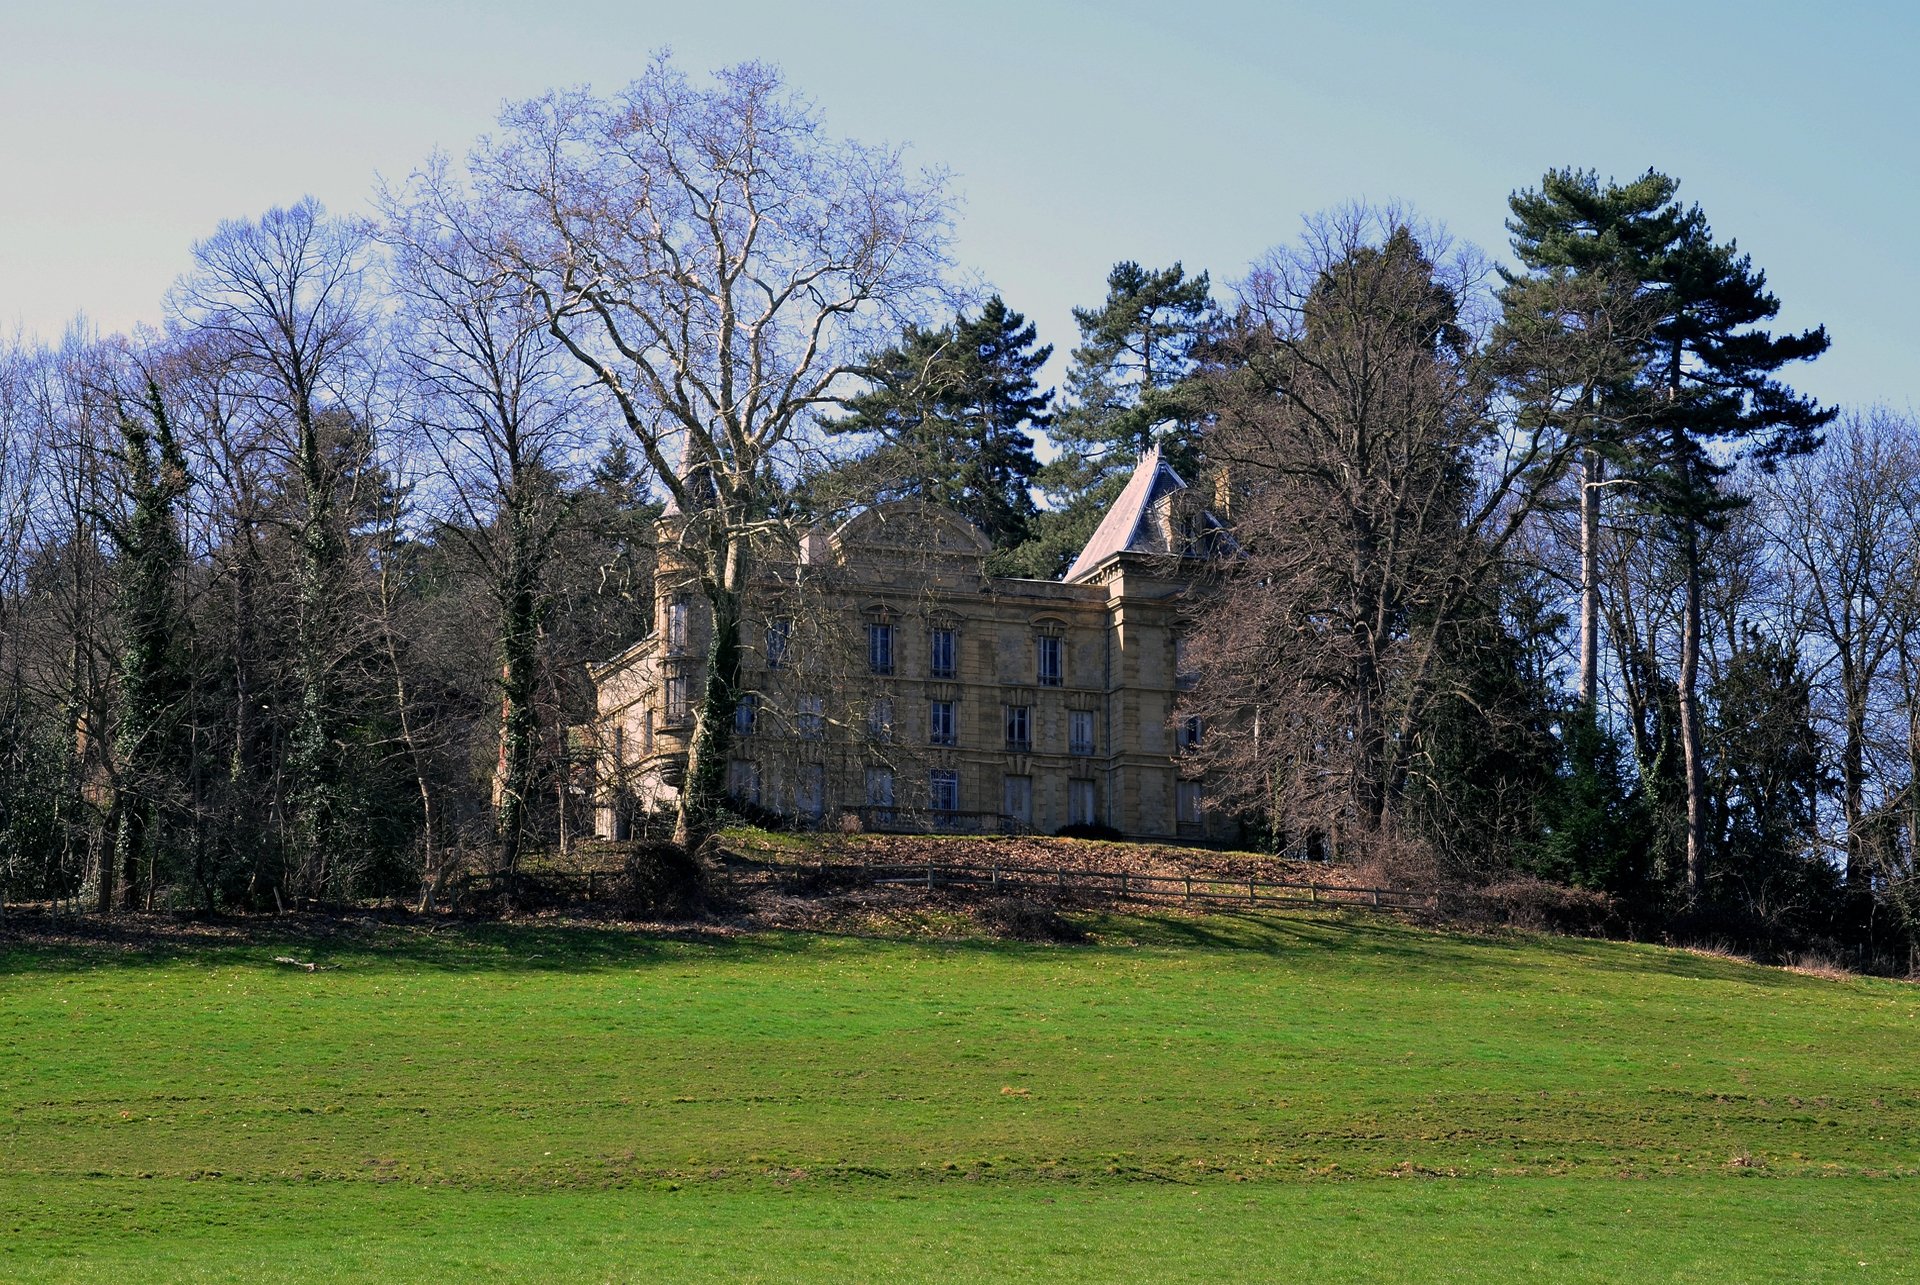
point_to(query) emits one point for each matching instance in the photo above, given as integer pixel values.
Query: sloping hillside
(1177, 1098)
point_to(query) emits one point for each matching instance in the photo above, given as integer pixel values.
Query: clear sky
(1079, 133)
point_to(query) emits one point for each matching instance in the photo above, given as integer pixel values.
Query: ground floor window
(1080, 802)
(879, 787)
(1191, 803)
(1018, 802)
(810, 791)
(743, 780)
(943, 789)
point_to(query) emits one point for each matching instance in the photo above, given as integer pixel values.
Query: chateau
(892, 679)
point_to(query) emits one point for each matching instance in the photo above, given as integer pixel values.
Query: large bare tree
(1375, 497)
(284, 296)
(718, 264)
(504, 432)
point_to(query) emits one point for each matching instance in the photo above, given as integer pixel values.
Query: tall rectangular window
(942, 654)
(879, 647)
(811, 722)
(810, 791)
(1191, 729)
(779, 633)
(743, 780)
(676, 699)
(677, 623)
(943, 790)
(1183, 674)
(1020, 727)
(942, 727)
(1080, 731)
(619, 745)
(1190, 802)
(1049, 649)
(1017, 802)
(880, 720)
(879, 787)
(746, 715)
(1080, 802)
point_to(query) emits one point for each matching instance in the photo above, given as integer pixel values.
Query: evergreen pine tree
(1123, 397)
(953, 409)
(1714, 368)
(1574, 329)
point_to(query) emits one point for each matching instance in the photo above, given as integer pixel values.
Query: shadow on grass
(38, 943)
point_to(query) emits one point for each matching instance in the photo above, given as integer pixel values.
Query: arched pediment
(904, 529)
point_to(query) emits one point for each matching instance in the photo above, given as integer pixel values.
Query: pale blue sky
(1079, 133)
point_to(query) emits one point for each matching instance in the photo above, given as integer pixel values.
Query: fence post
(1123, 883)
(929, 876)
(1189, 889)
(1249, 891)
(1060, 877)
(589, 884)
(1313, 894)
(996, 876)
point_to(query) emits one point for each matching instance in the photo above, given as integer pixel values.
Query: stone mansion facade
(891, 679)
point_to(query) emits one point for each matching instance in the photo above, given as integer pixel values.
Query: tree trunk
(1592, 474)
(311, 764)
(705, 787)
(519, 717)
(1853, 772)
(1688, 683)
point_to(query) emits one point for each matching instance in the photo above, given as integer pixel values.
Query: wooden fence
(1185, 889)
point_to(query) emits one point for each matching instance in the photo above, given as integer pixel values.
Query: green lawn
(1249, 1097)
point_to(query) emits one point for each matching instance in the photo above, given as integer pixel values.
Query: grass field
(1181, 1099)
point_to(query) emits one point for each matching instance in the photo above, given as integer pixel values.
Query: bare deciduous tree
(718, 264)
(1374, 498)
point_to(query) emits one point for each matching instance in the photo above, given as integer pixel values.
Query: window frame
(810, 717)
(880, 658)
(1019, 783)
(1049, 645)
(779, 640)
(943, 722)
(943, 652)
(1019, 728)
(1075, 745)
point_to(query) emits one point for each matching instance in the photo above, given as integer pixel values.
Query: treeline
(1544, 568)
(294, 594)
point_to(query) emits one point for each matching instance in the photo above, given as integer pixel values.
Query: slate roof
(1125, 527)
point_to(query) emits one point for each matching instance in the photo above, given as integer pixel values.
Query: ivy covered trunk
(519, 715)
(311, 766)
(705, 790)
(151, 679)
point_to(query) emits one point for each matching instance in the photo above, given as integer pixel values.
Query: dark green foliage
(1124, 395)
(1767, 775)
(953, 411)
(152, 678)
(1594, 827)
(1486, 763)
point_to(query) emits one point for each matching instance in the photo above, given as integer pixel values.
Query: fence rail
(1188, 889)
(1124, 884)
